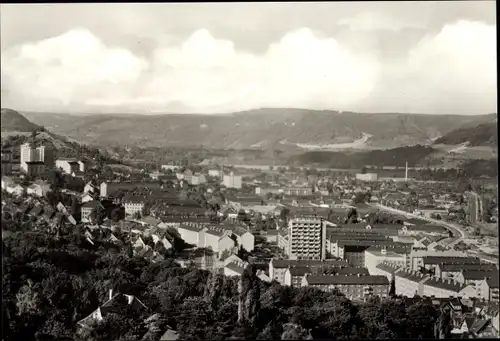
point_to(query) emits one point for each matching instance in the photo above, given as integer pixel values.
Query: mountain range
(261, 129)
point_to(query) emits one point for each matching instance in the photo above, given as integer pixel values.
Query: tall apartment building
(307, 238)
(35, 155)
(232, 181)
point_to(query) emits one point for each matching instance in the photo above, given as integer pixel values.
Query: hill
(12, 121)
(259, 129)
(485, 134)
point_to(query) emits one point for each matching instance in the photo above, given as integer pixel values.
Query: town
(351, 232)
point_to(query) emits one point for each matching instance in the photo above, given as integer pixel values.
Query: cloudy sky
(420, 57)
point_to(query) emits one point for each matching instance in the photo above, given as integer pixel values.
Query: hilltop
(12, 121)
(297, 129)
(485, 134)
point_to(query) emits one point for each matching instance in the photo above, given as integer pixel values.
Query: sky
(411, 57)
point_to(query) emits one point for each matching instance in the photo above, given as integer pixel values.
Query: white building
(132, 206)
(38, 154)
(367, 177)
(244, 238)
(217, 240)
(409, 283)
(7, 181)
(214, 173)
(373, 257)
(307, 238)
(193, 234)
(198, 179)
(386, 269)
(14, 189)
(442, 288)
(235, 268)
(232, 181)
(38, 189)
(68, 166)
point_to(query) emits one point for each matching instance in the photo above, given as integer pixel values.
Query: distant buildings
(353, 287)
(232, 181)
(69, 166)
(367, 177)
(6, 162)
(307, 238)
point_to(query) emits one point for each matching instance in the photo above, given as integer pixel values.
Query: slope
(262, 128)
(485, 134)
(12, 121)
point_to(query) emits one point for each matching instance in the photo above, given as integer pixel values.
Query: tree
(28, 301)
(116, 214)
(359, 198)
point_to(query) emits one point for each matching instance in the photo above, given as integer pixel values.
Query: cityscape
(305, 207)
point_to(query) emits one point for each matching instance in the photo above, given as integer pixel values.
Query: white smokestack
(406, 172)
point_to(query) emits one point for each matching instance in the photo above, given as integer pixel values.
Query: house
(218, 240)
(90, 188)
(409, 283)
(278, 267)
(68, 166)
(353, 287)
(170, 335)
(271, 236)
(112, 305)
(134, 205)
(387, 269)
(86, 197)
(7, 181)
(235, 268)
(88, 207)
(294, 275)
(198, 179)
(35, 168)
(489, 288)
(244, 238)
(15, 189)
(164, 241)
(443, 288)
(192, 233)
(39, 189)
(375, 255)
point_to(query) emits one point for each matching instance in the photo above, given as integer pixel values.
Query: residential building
(7, 181)
(34, 168)
(283, 241)
(198, 179)
(409, 283)
(86, 197)
(244, 238)
(445, 271)
(278, 267)
(489, 288)
(353, 287)
(307, 238)
(442, 288)
(214, 173)
(173, 168)
(232, 181)
(235, 268)
(88, 207)
(293, 276)
(109, 188)
(417, 257)
(192, 233)
(430, 263)
(15, 189)
(68, 166)
(35, 154)
(367, 177)
(134, 205)
(387, 269)
(375, 256)
(39, 189)
(111, 306)
(297, 190)
(218, 240)
(6, 162)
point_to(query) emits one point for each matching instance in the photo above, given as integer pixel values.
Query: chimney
(406, 172)
(110, 293)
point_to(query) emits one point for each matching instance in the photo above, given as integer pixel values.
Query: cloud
(377, 20)
(207, 74)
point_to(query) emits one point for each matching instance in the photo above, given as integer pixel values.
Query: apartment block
(306, 238)
(353, 287)
(410, 283)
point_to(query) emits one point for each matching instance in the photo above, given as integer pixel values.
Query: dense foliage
(49, 284)
(485, 134)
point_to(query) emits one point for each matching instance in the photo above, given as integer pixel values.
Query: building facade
(307, 238)
(232, 181)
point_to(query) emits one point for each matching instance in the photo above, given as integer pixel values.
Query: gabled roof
(478, 274)
(299, 271)
(93, 204)
(285, 263)
(449, 285)
(347, 280)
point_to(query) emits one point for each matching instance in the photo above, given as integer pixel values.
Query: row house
(39, 189)
(387, 269)
(133, 205)
(293, 276)
(218, 240)
(278, 267)
(430, 263)
(353, 287)
(489, 287)
(244, 238)
(409, 283)
(235, 268)
(375, 255)
(417, 257)
(455, 270)
(447, 288)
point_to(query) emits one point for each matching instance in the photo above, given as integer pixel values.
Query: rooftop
(446, 284)
(347, 280)
(449, 260)
(285, 263)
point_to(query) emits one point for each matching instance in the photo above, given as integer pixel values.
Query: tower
(406, 172)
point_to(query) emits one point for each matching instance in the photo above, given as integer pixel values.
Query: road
(454, 228)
